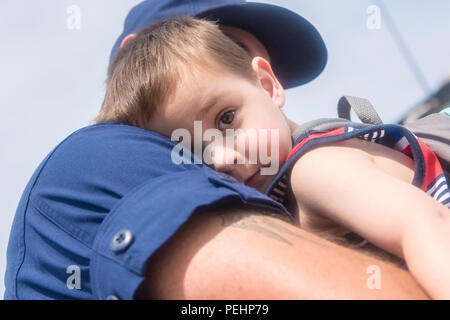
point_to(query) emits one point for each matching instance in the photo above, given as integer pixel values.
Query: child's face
(223, 100)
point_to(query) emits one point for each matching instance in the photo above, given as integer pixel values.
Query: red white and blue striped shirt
(428, 173)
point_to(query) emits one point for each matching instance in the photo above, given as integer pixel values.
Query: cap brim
(297, 51)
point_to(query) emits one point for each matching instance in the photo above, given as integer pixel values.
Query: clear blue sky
(52, 77)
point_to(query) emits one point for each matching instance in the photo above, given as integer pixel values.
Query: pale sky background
(52, 78)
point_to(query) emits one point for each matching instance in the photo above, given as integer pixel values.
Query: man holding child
(110, 201)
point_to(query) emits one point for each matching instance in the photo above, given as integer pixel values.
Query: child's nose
(224, 159)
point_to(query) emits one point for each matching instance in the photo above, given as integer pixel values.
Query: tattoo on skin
(258, 222)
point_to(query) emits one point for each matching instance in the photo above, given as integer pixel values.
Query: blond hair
(146, 71)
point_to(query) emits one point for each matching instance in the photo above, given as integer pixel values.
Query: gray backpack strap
(362, 107)
(434, 131)
(324, 124)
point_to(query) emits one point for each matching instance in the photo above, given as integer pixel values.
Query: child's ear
(268, 80)
(127, 38)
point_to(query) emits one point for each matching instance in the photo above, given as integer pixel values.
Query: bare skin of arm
(367, 188)
(238, 253)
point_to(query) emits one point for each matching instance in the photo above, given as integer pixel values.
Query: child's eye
(225, 120)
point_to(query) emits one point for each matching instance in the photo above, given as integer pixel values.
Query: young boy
(182, 70)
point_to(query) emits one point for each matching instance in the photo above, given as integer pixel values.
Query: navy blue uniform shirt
(99, 205)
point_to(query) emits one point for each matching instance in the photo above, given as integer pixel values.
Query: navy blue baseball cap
(297, 51)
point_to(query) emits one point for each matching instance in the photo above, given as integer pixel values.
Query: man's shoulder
(110, 144)
(103, 135)
(111, 157)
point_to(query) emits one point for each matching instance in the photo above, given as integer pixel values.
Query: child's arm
(366, 187)
(426, 248)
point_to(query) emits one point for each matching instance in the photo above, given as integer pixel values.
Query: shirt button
(121, 240)
(111, 297)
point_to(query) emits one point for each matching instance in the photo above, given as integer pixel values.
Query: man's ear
(127, 38)
(268, 80)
